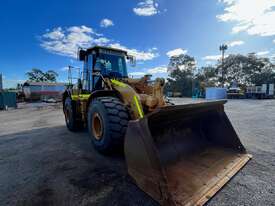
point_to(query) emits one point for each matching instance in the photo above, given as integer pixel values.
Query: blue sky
(46, 34)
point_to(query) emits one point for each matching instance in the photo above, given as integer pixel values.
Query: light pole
(223, 47)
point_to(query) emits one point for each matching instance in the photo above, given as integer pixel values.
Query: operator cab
(102, 62)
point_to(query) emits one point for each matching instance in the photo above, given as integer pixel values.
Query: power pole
(223, 47)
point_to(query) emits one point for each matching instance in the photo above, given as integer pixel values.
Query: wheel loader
(178, 154)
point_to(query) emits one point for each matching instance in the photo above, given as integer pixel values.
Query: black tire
(113, 117)
(70, 115)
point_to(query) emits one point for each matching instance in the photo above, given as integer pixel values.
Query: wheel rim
(97, 126)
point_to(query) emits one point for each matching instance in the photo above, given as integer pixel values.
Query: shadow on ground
(52, 166)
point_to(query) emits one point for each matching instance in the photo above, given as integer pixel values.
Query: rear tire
(107, 123)
(70, 115)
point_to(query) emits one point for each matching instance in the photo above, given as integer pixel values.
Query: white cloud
(208, 62)
(153, 71)
(262, 53)
(176, 52)
(80, 29)
(274, 41)
(157, 70)
(66, 41)
(64, 69)
(106, 23)
(140, 55)
(137, 73)
(146, 8)
(101, 41)
(55, 34)
(235, 43)
(256, 17)
(212, 57)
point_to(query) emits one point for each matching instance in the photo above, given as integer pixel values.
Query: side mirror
(81, 54)
(132, 60)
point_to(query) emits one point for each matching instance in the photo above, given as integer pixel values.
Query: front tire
(107, 123)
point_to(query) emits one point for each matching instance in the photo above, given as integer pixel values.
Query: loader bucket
(182, 155)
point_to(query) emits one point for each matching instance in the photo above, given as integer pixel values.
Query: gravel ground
(42, 163)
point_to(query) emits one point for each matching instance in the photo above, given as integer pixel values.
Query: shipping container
(213, 93)
(7, 99)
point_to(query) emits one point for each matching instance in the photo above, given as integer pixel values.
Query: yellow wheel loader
(179, 155)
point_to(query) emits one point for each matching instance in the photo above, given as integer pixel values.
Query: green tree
(37, 75)
(50, 76)
(247, 69)
(180, 79)
(208, 76)
(242, 69)
(182, 62)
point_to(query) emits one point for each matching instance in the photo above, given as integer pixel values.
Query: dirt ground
(42, 163)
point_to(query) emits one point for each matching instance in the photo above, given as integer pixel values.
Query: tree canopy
(181, 74)
(37, 75)
(247, 69)
(182, 62)
(241, 69)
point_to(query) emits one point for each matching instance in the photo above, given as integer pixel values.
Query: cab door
(87, 73)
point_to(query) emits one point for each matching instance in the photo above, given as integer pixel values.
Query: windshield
(111, 65)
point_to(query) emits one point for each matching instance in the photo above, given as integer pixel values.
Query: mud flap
(182, 155)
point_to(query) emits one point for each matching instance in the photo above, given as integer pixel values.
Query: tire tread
(118, 118)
